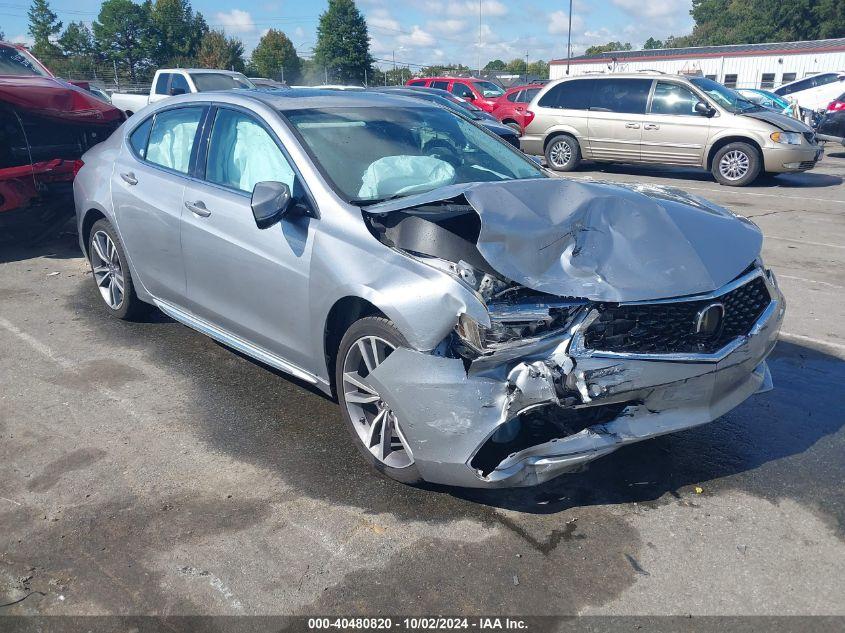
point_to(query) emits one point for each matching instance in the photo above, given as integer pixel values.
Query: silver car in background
(481, 323)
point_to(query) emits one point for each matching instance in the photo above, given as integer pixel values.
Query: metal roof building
(741, 65)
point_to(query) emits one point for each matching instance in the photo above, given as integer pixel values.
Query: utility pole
(569, 39)
(479, 36)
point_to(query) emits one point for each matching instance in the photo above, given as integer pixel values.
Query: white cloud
(452, 26)
(559, 23)
(236, 21)
(417, 37)
(26, 40)
(381, 19)
(665, 8)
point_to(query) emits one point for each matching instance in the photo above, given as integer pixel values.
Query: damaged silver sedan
(480, 323)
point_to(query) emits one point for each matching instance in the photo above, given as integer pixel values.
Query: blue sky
(426, 31)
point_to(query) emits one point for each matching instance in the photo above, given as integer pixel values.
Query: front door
(147, 185)
(673, 132)
(251, 282)
(617, 113)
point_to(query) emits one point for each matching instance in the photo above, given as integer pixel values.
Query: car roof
(291, 99)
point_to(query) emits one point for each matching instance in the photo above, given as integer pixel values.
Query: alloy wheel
(108, 272)
(734, 165)
(374, 420)
(560, 154)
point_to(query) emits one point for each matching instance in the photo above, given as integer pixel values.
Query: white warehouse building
(737, 66)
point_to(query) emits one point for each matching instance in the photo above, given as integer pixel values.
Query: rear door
(147, 188)
(673, 132)
(616, 118)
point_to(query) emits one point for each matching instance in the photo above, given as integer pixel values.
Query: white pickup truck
(169, 82)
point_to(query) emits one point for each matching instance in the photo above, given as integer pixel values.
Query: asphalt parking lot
(145, 469)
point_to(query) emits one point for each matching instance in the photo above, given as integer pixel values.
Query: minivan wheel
(111, 273)
(563, 153)
(736, 164)
(375, 427)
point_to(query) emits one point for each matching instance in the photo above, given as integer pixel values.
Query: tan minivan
(665, 120)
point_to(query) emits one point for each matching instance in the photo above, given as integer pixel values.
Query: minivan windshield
(206, 82)
(371, 154)
(14, 61)
(726, 97)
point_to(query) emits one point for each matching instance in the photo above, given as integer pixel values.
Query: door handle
(633, 126)
(198, 208)
(129, 178)
(651, 126)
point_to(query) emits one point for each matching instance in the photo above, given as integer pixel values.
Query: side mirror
(270, 201)
(469, 96)
(704, 110)
(176, 91)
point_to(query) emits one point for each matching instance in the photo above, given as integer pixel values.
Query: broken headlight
(517, 322)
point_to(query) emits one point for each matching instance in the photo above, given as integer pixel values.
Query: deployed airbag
(395, 175)
(603, 242)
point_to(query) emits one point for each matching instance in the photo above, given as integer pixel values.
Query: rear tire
(376, 337)
(110, 271)
(563, 153)
(736, 164)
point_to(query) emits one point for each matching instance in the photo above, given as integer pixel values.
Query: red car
(481, 92)
(512, 107)
(46, 125)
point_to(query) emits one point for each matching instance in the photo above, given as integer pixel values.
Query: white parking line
(812, 281)
(804, 242)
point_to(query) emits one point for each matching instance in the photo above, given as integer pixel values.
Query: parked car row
(481, 323)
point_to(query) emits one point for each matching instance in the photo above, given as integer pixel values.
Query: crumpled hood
(780, 121)
(54, 98)
(601, 241)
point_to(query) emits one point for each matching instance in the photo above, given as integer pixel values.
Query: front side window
(440, 85)
(461, 90)
(161, 83)
(206, 82)
(824, 79)
(626, 96)
(418, 82)
(172, 138)
(671, 98)
(14, 61)
(371, 154)
(488, 89)
(179, 85)
(798, 86)
(241, 153)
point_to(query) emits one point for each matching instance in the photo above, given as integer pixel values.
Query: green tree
(275, 57)
(43, 25)
(538, 69)
(652, 43)
(122, 33)
(77, 40)
(2, 35)
(343, 43)
(218, 51)
(176, 29)
(516, 66)
(607, 48)
(495, 65)
(444, 69)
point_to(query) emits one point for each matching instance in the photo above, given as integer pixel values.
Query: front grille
(811, 137)
(669, 328)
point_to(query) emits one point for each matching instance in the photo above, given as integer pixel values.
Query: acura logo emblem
(708, 320)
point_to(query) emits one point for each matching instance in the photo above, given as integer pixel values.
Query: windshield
(206, 82)
(489, 89)
(14, 61)
(726, 97)
(372, 154)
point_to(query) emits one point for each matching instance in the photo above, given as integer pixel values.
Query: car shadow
(785, 443)
(807, 179)
(57, 242)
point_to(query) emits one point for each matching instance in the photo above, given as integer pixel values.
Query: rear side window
(161, 83)
(172, 138)
(138, 138)
(440, 85)
(242, 153)
(514, 96)
(526, 96)
(626, 96)
(568, 95)
(671, 98)
(824, 79)
(461, 90)
(418, 82)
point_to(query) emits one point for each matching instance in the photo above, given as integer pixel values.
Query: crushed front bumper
(451, 415)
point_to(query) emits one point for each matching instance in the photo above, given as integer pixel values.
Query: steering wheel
(443, 150)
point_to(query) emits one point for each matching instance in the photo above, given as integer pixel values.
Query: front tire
(563, 153)
(736, 164)
(375, 428)
(110, 270)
